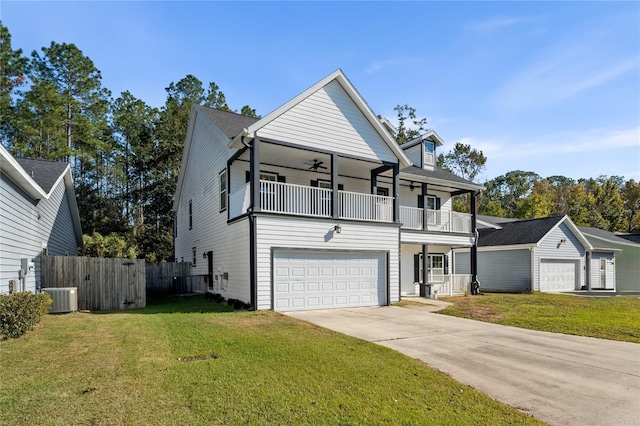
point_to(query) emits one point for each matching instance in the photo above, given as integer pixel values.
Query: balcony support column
(425, 288)
(474, 248)
(425, 213)
(254, 174)
(335, 206)
(396, 193)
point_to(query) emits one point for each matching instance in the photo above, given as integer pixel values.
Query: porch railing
(450, 285)
(356, 205)
(437, 220)
(303, 200)
(411, 217)
(295, 199)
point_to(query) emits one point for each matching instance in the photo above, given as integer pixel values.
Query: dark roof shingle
(437, 174)
(44, 172)
(229, 122)
(528, 231)
(601, 233)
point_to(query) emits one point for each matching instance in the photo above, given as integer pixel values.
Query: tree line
(125, 155)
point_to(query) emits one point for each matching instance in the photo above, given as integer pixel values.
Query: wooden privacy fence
(173, 278)
(103, 284)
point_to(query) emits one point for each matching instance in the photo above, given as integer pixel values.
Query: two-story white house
(315, 206)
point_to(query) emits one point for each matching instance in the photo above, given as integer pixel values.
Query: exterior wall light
(337, 229)
(563, 241)
(204, 255)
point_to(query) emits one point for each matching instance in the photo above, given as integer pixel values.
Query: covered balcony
(436, 220)
(281, 178)
(301, 200)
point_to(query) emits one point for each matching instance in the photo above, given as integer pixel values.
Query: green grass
(614, 318)
(186, 361)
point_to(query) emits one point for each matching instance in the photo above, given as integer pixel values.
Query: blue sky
(548, 87)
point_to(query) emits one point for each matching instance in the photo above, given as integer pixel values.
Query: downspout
(475, 284)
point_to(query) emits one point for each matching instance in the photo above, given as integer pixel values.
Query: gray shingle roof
(44, 172)
(229, 122)
(495, 220)
(438, 174)
(528, 231)
(601, 233)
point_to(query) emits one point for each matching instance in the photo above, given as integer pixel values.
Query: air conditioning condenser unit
(65, 299)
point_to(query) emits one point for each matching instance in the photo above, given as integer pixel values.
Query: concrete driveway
(559, 379)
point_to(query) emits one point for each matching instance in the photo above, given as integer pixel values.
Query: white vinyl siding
(275, 233)
(229, 243)
(330, 119)
(420, 237)
(23, 234)
(627, 267)
(414, 154)
(499, 270)
(550, 247)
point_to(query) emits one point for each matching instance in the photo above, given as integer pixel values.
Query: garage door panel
(293, 291)
(558, 274)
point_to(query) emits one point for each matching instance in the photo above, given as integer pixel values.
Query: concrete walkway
(559, 379)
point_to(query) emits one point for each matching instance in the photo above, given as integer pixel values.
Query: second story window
(429, 153)
(222, 178)
(190, 214)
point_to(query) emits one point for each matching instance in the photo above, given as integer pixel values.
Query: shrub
(20, 312)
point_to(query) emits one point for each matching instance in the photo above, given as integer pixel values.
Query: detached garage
(308, 279)
(548, 254)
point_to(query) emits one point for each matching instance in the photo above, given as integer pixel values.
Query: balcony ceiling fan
(315, 165)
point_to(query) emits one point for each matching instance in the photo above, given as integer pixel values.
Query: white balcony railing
(437, 220)
(303, 200)
(356, 205)
(295, 199)
(449, 285)
(411, 217)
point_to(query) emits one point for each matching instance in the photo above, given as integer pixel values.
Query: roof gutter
(238, 139)
(436, 181)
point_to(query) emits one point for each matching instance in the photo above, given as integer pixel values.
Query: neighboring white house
(547, 254)
(38, 214)
(315, 206)
(627, 262)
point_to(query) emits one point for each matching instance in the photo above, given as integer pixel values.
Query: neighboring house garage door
(558, 274)
(305, 280)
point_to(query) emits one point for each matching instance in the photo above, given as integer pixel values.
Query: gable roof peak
(338, 76)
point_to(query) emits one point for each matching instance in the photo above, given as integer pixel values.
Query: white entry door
(558, 274)
(304, 280)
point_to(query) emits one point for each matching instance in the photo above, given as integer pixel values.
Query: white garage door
(558, 275)
(334, 279)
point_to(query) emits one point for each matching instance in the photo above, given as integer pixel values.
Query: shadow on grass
(175, 304)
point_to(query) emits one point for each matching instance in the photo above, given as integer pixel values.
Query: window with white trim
(222, 179)
(429, 152)
(193, 256)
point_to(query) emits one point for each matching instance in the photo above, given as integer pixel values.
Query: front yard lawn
(186, 361)
(614, 318)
